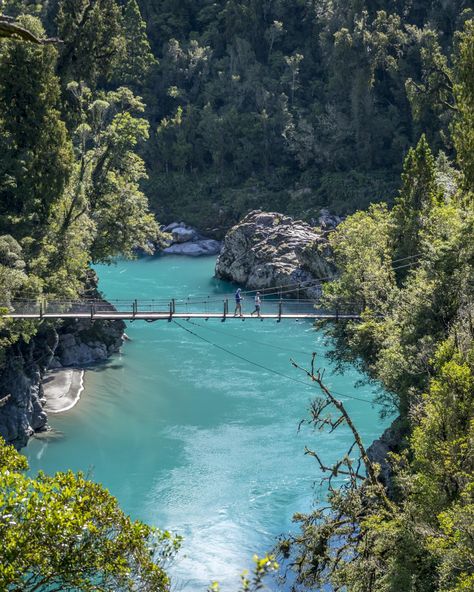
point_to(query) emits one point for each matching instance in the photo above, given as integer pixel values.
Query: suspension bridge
(211, 307)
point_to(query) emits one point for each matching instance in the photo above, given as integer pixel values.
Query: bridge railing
(214, 304)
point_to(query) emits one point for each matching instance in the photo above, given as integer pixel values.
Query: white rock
(195, 249)
(267, 249)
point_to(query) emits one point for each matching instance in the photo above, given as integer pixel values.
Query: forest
(128, 112)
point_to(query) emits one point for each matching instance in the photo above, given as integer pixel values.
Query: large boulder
(267, 249)
(195, 249)
(186, 240)
(183, 234)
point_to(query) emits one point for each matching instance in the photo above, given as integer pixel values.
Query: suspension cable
(266, 368)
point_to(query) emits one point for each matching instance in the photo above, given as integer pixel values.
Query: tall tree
(94, 39)
(139, 58)
(419, 192)
(463, 128)
(36, 151)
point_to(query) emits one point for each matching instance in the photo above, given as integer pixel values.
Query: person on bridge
(258, 304)
(238, 303)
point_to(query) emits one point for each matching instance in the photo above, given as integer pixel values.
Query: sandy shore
(62, 389)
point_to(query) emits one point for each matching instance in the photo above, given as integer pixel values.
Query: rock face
(328, 221)
(72, 343)
(390, 441)
(268, 249)
(186, 240)
(82, 343)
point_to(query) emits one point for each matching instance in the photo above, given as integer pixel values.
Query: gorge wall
(68, 343)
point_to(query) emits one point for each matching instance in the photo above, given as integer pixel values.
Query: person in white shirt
(258, 303)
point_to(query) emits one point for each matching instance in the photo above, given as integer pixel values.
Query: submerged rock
(267, 249)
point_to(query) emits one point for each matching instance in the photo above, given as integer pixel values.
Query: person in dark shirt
(238, 303)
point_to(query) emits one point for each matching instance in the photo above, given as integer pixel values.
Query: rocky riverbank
(268, 249)
(69, 344)
(186, 240)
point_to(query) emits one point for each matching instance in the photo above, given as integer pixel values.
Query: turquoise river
(195, 440)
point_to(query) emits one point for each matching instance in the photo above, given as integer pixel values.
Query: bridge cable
(266, 368)
(235, 336)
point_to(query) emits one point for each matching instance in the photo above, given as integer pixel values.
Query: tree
(36, 151)
(66, 533)
(105, 188)
(139, 58)
(418, 194)
(363, 250)
(463, 127)
(94, 40)
(293, 63)
(12, 269)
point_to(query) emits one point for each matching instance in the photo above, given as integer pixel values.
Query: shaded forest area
(290, 106)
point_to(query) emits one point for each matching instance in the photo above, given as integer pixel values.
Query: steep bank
(56, 345)
(268, 249)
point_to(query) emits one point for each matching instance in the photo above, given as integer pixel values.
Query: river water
(195, 440)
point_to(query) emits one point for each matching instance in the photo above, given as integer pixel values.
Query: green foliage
(418, 195)
(66, 533)
(135, 67)
(416, 339)
(94, 40)
(105, 191)
(363, 247)
(280, 95)
(69, 194)
(36, 151)
(463, 128)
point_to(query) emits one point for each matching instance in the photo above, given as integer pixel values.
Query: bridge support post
(337, 314)
(174, 305)
(226, 310)
(92, 312)
(171, 312)
(134, 308)
(280, 306)
(41, 310)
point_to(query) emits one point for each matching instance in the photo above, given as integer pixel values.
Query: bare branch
(317, 376)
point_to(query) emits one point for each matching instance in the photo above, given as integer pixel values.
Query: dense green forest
(410, 270)
(292, 106)
(210, 109)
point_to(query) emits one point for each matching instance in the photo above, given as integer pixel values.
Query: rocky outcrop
(328, 221)
(268, 249)
(82, 343)
(185, 240)
(392, 440)
(71, 343)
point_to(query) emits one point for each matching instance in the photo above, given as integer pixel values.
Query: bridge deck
(166, 316)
